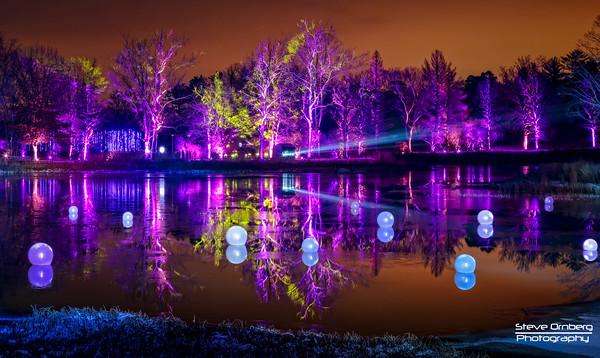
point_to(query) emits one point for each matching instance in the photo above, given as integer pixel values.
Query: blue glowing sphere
(354, 211)
(465, 263)
(485, 231)
(310, 245)
(73, 216)
(73, 210)
(127, 224)
(236, 254)
(464, 281)
(310, 258)
(590, 245)
(549, 207)
(590, 255)
(161, 150)
(40, 254)
(127, 216)
(355, 205)
(385, 219)
(385, 234)
(548, 200)
(485, 217)
(236, 235)
(40, 276)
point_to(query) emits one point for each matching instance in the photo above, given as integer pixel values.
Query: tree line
(306, 90)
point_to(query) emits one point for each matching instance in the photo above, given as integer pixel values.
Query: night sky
(475, 35)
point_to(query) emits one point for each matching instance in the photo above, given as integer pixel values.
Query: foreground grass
(88, 332)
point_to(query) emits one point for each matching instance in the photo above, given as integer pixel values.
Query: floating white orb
(485, 231)
(127, 216)
(354, 211)
(236, 235)
(310, 245)
(548, 200)
(127, 224)
(355, 205)
(590, 255)
(40, 254)
(385, 219)
(549, 207)
(236, 254)
(464, 281)
(485, 217)
(73, 216)
(385, 234)
(590, 245)
(73, 210)
(310, 258)
(465, 263)
(40, 276)
(161, 150)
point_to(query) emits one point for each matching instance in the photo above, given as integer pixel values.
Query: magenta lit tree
(346, 101)
(82, 118)
(408, 87)
(143, 72)
(266, 92)
(445, 97)
(486, 98)
(526, 83)
(586, 93)
(320, 59)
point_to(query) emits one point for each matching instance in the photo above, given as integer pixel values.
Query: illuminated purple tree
(527, 88)
(265, 91)
(320, 60)
(144, 71)
(445, 98)
(345, 98)
(486, 99)
(83, 116)
(409, 89)
(586, 92)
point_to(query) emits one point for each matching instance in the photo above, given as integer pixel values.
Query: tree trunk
(593, 130)
(537, 144)
(85, 149)
(308, 155)
(410, 135)
(35, 151)
(525, 142)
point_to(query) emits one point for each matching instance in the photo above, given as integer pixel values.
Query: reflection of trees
(585, 281)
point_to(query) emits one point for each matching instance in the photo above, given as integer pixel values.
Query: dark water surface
(174, 259)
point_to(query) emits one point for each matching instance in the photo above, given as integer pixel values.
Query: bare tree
(590, 43)
(346, 99)
(486, 99)
(143, 72)
(408, 86)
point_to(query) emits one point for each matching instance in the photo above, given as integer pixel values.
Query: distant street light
(161, 150)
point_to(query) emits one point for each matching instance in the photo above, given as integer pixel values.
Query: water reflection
(174, 218)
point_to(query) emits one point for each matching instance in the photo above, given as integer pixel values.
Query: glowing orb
(590, 245)
(73, 216)
(385, 219)
(485, 231)
(354, 211)
(385, 234)
(590, 255)
(40, 276)
(127, 224)
(236, 235)
(549, 207)
(127, 216)
(464, 281)
(310, 258)
(485, 217)
(73, 210)
(465, 264)
(310, 245)
(161, 150)
(548, 200)
(236, 254)
(40, 254)
(355, 205)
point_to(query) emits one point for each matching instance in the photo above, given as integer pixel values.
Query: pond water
(174, 260)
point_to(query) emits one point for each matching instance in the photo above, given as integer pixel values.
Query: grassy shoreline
(400, 162)
(88, 332)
